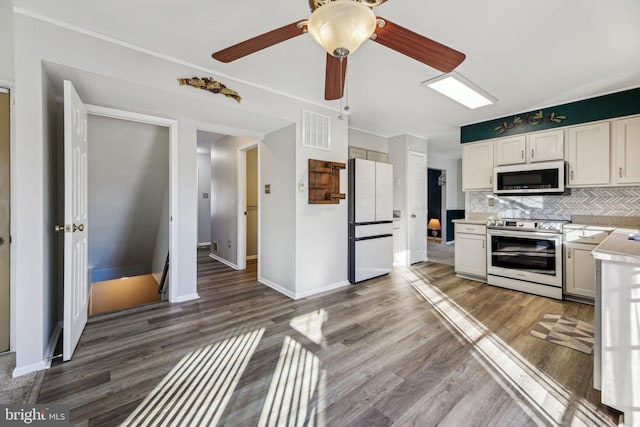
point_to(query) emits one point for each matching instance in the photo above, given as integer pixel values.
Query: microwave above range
(530, 178)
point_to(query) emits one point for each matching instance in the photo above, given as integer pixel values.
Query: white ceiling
(528, 55)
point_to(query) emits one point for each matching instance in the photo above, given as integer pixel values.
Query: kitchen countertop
(617, 247)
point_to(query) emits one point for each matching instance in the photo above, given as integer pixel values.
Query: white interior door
(417, 204)
(76, 281)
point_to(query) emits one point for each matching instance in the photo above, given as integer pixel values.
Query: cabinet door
(510, 151)
(589, 155)
(357, 153)
(471, 254)
(580, 270)
(545, 146)
(365, 190)
(384, 192)
(627, 169)
(477, 166)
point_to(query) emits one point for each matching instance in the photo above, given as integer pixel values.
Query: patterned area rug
(565, 331)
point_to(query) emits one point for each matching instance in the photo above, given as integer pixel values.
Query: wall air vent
(315, 130)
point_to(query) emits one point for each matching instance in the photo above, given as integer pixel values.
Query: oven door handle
(525, 234)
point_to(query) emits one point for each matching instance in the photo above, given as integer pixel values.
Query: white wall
(161, 247)
(278, 210)
(6, 40)
(224, 196)
(128, 174)
(369, 141)
(204, 187)
(321, 230)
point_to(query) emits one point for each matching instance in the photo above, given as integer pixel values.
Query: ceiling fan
(340, 27)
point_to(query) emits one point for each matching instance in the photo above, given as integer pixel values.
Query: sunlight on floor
(198, 388)
(548, 401)
(297, 393)
(310, 325)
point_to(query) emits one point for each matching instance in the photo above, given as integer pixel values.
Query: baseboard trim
(284, 291)
(32, 367)
(224, 261)
(323, 289)
(188, 297)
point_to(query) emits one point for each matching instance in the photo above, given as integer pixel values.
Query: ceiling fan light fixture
(341, 26)
(461, 90)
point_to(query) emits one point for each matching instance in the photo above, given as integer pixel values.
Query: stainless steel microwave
(530, 178)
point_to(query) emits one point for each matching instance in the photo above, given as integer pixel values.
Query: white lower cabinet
(580, 270)
(471, 251)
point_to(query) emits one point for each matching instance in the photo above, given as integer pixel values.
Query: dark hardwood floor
(417, 347)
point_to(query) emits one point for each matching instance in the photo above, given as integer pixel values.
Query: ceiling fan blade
(334, 84)
(418, 47)
(260, 42)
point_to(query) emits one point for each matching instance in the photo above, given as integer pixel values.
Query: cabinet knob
(571, 176)
(568, 252)
(533, 152)
(620, 173)
(522, 154)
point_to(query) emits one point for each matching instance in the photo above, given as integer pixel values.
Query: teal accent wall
(603, 107)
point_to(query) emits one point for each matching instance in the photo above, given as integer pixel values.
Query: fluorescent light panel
(461, 90)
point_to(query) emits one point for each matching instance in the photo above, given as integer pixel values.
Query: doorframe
(241, 255)
(443, 203)
(113, 113)
(10, 86)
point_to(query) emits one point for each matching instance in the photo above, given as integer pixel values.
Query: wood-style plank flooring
(417, 347)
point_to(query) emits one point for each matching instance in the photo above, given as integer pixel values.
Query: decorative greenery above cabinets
(589, 110)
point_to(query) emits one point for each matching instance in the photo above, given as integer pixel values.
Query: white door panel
(384, 192)
(365, 187)
(374, 257)
(76, 280)
(374, 229)
(417, 201)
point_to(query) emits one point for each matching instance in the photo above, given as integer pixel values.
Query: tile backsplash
(609, 201)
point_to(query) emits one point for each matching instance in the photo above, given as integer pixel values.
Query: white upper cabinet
(588, 155)
(477, 166)
(627, 160)
(535, 147)
(510, 151)
(545, 146)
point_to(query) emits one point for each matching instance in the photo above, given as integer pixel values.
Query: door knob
(62, 228)
(78, 227)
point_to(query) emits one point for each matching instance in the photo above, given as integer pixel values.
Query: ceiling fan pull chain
(342, 86)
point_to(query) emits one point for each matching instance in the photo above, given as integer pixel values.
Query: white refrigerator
(370, 199)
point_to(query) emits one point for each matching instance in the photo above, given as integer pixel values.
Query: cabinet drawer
(471, 228)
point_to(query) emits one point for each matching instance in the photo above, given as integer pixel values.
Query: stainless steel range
(525, 255)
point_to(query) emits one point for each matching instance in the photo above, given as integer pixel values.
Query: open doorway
(436, 180)
(251, 208)
(128, 197)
